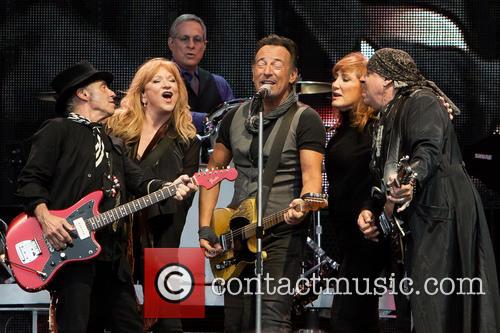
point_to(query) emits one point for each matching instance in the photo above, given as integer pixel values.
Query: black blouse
(347, 167)
(168, 159)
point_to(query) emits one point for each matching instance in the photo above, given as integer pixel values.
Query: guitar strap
(275, 154)
(393, 152)
(153, 152)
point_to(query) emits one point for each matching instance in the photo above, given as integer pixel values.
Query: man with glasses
(187, 42)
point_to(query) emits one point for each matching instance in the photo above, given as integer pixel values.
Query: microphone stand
(260, 229)
(318, 230)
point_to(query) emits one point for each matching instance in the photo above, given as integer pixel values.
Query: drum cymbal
(314, 87)
(46, 96)
(51, 96)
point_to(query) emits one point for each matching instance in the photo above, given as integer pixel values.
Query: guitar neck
(267, 222)
(101, 220)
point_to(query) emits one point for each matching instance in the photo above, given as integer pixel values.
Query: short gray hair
(184, 18)
(70, 104)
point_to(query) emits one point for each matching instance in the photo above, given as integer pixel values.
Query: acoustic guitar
(236, 230)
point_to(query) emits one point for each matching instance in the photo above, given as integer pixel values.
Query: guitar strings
(252, 226)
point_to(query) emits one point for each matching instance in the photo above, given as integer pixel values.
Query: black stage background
(455, 42)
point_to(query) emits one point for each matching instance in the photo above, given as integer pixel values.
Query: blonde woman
(155, 123)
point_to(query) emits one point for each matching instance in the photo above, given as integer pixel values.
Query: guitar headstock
(210, 178)
(405, 173)
(315, 201)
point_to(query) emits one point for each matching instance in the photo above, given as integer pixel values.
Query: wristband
(208, 234)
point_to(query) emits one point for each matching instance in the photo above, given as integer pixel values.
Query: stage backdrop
(454, 42)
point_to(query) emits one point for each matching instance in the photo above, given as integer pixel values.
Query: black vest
(208, 98)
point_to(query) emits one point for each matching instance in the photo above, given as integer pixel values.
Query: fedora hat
(68, 81)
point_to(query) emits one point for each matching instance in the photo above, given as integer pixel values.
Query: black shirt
(61, 170)
(347, 167)
(168, 159)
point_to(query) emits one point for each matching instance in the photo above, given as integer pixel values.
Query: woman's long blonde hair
(356, 62)
(128, 120)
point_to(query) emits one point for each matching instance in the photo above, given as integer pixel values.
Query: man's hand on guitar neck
(209, 242)
(295, 215)
(56, 229)
(399, 194)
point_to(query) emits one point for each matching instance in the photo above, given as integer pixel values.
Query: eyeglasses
(197, 40)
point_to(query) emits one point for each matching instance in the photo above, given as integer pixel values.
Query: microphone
(263, 92)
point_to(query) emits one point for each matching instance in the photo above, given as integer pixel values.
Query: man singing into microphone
(298, 172)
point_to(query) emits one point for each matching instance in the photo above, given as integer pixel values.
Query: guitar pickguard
(239, 251)
(240, 245)
(80, 249)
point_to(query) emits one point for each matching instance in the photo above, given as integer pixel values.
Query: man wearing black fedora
(70, 157)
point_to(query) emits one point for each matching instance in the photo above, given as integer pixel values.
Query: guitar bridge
(28, 250)
(225, 263)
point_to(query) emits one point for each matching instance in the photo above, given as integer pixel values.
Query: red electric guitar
(34, 262)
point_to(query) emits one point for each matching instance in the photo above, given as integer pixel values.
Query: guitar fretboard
(100, 221)
(268, 222)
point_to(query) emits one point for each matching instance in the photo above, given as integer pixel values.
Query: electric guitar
(236, 229)
(390, 226)
(33, 260)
